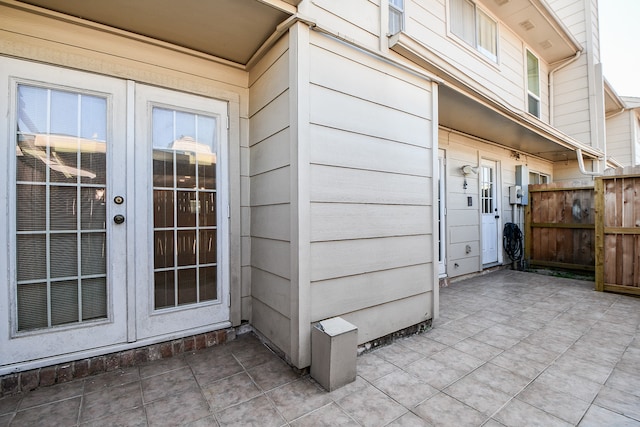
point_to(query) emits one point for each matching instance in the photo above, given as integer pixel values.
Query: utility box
(515, 195)
(334, 348)
(522, 179)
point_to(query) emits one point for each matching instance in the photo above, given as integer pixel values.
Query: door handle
(118, 219)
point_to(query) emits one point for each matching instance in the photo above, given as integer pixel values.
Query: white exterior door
(182, 237)
(490, 212)
(65, 267)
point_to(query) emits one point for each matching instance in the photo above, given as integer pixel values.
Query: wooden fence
(560, 227)
(618, 231)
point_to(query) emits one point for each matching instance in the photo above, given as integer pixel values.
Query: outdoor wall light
(468, 170)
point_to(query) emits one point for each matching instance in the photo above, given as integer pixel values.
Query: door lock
(118, 200)
(118, 219)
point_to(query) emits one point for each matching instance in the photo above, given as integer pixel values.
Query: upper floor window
(475, 27)
(396, 16)
(533, 84)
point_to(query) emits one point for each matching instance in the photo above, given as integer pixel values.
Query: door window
(184, 206)
(60, 207)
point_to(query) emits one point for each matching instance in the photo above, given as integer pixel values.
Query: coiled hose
(512, 241)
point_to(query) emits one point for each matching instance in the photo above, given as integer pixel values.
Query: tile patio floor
(510, 348)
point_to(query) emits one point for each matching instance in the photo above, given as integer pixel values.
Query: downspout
(581, 165)
(552, 73)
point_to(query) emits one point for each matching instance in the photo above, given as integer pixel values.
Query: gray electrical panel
(522, 179)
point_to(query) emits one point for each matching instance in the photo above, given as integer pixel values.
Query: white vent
(546, 44)
(527, 25)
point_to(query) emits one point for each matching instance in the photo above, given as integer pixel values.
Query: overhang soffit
(537, 25)
(233, 30)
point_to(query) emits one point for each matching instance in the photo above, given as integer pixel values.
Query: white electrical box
(515, 195)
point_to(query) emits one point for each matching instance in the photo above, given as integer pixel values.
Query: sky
(620, 44)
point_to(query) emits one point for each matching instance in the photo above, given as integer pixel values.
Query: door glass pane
(486, 188)
(184, 218)
(60, 207)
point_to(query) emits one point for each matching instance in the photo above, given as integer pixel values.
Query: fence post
(599, 196)
(528, 231)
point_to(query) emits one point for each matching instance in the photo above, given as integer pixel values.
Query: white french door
(114, 201)
(66, 276)
(180, 186)
(490, 211)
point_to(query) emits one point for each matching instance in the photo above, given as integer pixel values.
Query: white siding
(371, 195)
(463, 225)
(576, 87)
(270, 177)
(619, 138)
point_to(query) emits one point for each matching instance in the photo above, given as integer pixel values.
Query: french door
(183, 205)
(114, 235)
(62, 141)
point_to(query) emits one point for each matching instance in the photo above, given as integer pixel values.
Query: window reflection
(184, 194)
(60, 212)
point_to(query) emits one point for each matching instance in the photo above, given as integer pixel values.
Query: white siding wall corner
(270, 197)
(371, 151)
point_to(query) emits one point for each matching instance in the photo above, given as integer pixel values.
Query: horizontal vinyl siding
(571, 97)
(370, 191)
(426, 22)
(572, 15)
(270, 177)
(619, 139)
(357, 20)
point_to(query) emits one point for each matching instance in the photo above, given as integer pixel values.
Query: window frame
(478, 12)
(530, 94)
(539, 177)
(393, 7)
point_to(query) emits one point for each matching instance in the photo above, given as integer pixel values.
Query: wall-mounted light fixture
(466, 171)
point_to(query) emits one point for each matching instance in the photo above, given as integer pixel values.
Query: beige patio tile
(477, 349)
(559, 404)
(478, 395)
(500, 378)
(573, 385)
(406, 389)
(178, 409)
(298, 398)
(327, 416)
(519, 414)
(409, 420)
(625, 381)
(255, 412)
(436, 373)
(421, 344)
(444, 410)
(230, 391)
(620, 402)
(371, 367)
(110, 401)
(371, 407)
(272, 374)
(598, 417)
(398, 355)
(63, 413)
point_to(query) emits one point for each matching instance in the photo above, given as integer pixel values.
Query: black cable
(512, 241)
